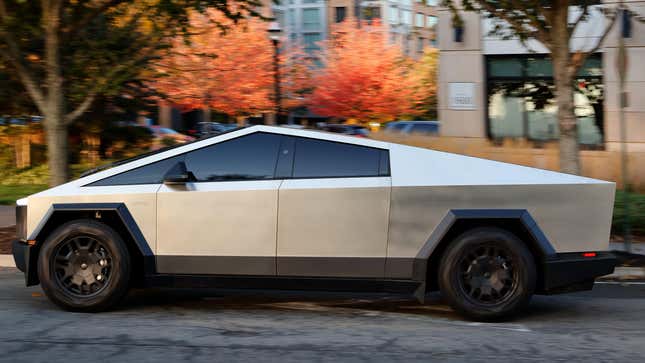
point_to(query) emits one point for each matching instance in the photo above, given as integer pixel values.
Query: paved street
(603, 325)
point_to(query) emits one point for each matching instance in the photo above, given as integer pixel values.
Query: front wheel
(487, 274)
(84, 265)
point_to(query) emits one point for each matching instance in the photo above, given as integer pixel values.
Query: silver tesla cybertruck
(281, 208)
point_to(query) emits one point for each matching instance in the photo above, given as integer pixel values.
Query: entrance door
(333, 215)
(223, 222)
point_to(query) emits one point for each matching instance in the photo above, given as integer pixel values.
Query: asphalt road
(604, 325)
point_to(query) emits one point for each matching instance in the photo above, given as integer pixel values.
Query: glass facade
(521, 101)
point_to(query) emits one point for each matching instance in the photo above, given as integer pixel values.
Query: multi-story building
(409, 23)
(497, 88)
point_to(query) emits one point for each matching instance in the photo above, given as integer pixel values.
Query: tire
(84, 266)
(487, 274)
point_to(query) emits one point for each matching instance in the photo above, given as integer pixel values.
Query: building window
(311, 19)
(420, 45)
(405, 43)
(310, 41)
(432, 2)
(310, 1)
(418, 20)
(406, 2)
(394, 15)
(521, 101)
(292, 17)
(406, 17)
(431, 21)
(371, 13)
(341, 13)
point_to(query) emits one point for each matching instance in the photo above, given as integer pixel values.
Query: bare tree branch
(100, 85)
(584, 14)
(538, 32)
(12, 55)
(580, 57)
(76, 26)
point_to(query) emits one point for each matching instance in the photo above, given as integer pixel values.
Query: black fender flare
(120, 209)
(420, 264)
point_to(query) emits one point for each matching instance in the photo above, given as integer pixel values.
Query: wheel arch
(457, 221)
(114, 215)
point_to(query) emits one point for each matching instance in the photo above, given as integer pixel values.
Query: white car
(280, 208)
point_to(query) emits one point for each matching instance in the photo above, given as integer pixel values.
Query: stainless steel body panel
(234, 220)
(141, 201)
(344, 219)
(416, 211)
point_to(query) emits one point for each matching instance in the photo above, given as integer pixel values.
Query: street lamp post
(274, 34)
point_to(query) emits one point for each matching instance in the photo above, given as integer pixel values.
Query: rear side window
(251, 157)
(147, 174)
(326, 159)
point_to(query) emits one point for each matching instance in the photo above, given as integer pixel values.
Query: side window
(250, 157)
(147, 174)
(321, 159)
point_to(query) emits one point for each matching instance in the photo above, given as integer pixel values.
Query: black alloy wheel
(84, 265)
(487, 273)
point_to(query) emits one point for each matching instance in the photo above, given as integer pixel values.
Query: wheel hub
(486, 275)
(82, 265)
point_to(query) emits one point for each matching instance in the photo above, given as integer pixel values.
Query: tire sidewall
(119, 275)
(523, 262)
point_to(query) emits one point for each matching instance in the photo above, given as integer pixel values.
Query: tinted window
(147, 174)
(250, 157)
(317, 158)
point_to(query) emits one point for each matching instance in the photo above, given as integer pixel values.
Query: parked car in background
(353, 130)
(164, 136)
(19, 120)
(414, 127)
(354, 214)
(205, 129)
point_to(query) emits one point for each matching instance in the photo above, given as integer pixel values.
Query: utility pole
(622, 63)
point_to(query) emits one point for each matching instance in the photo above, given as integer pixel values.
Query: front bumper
(25, 256)
(568, 272)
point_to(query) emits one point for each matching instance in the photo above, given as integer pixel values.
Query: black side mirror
(177, 175)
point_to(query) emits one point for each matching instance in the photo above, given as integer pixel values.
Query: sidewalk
(637, 248)
(7, 215)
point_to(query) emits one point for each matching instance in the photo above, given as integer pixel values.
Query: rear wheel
(487, 274)
(84, 265)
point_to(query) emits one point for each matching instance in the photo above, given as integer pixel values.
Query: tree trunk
(206, 114)
(55, 126)
(165, 115)
(563, 74)
(56, 133)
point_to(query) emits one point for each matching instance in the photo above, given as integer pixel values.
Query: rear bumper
(568, 272)
(25, 258)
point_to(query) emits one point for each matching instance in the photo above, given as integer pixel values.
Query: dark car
(354, 130)
(213, 128)
(429, 128)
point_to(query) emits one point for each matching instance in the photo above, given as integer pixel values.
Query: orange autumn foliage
(231, 72)
(364, 77)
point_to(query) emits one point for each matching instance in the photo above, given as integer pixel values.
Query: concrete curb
(7, 261)
(625, 274)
